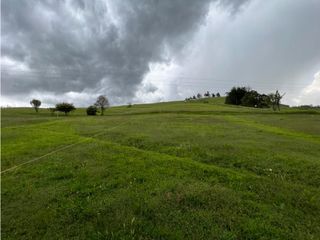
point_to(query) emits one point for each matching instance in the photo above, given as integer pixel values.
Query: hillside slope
(176, 170)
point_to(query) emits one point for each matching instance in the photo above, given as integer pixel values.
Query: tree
(255, 99)
(218, 94)
(207, 94)
(212, 95)
(250, 99)
(65, 107)
(92, 110)
(264, 100)
(275, 100)
(35, 103)
(102, 103)
(199, 95)
(235, 95)
(278, 98)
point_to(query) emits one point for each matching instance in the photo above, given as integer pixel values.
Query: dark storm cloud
(64, 46)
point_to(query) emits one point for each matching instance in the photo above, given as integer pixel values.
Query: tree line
(207, 94)
(245, 96)
(100, 105)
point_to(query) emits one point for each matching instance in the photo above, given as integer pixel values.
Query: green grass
(198, 170)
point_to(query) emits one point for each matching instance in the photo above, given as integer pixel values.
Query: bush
(92, 110)
(65, 107)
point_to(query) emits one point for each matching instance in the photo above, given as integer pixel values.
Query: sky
(140, 51)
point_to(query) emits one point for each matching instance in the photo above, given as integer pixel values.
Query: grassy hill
(176, 170)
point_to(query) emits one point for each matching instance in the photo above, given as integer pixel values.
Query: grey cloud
(97, 45)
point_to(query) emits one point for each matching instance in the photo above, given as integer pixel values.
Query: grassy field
(198, 170)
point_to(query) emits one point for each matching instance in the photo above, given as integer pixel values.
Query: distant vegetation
(64, 107)
(246, 96)
(308, 107)
(35, 103)
(92, 110)
(243, 96)
(102, 103)
(207, 94)
(250, 98)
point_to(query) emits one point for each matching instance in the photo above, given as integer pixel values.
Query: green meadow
(176, 170)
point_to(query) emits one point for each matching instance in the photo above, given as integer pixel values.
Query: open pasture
(198, 170)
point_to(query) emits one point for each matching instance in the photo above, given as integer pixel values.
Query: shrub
(92, 110)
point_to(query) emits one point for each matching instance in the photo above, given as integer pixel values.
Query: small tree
(92, 110)
(65, 107)
(207, 94)
(218, 94)
(102, 103)
(35, 103)
(212, 95)
(199, 95)
(275, 100)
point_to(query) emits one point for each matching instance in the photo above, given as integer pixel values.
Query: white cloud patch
(311, 93)
(49, 99)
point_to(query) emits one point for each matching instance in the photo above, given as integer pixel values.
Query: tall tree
(102, 103)
(35, 103)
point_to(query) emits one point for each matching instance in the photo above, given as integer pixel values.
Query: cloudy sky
(157, 50)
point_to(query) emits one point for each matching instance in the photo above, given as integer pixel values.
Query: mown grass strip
(272, 129)
(61, 149)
